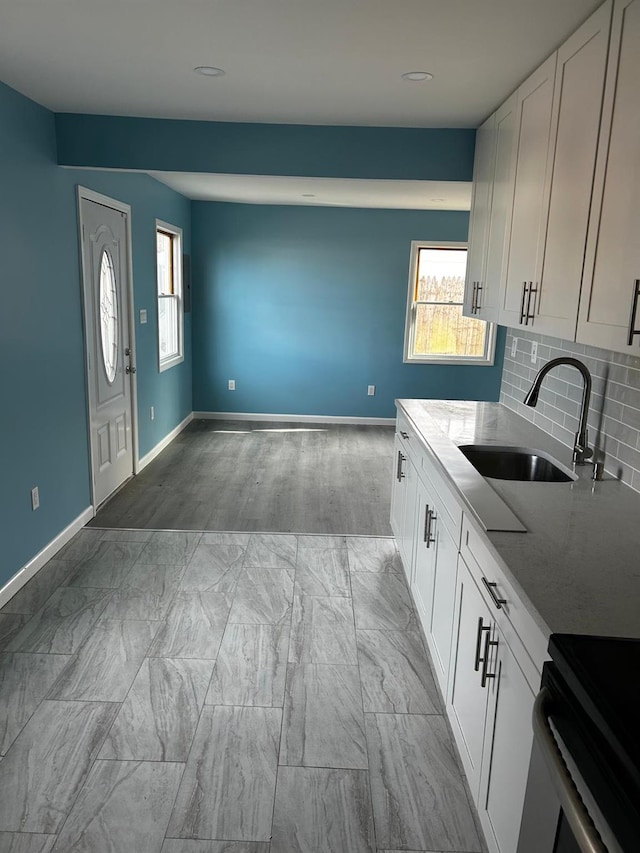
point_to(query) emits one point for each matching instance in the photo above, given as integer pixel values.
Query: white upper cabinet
(490, 212)
(531, 195)
(480, 211)
(609, 311)
(492, 287)
(559, 113)
(577, 109)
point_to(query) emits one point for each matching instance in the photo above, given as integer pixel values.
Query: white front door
(105, 268)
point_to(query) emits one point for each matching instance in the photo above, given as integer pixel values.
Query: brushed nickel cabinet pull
(486, 675)
(431, 516)
(399, 471)
(490, 586)
(530, 315)
(634, 307)
(481, 629)
(522, 301)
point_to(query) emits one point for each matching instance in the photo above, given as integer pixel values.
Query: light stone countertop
(577, 566)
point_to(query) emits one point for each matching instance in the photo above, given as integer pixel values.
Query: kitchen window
(170, 308)
(436, 331)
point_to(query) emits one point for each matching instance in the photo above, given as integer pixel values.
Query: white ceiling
(299, 61)
(332, 192)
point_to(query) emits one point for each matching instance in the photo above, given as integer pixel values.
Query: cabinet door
(509, 740)
(531, 195)
(612, 265)
(397, 489)
(493, 283)
(424, 560)
(579, 91)
(480, 210)
(467, 703)
(444, 593)
(407, 529)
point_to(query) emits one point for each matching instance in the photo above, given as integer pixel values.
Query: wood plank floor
(263, 476)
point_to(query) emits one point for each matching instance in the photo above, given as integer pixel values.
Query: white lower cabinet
(507, 752)
(424, 559)
(434, 579)
(472, 659)
(486, 650)
(403, 505)
(397, 491)
(490, 704)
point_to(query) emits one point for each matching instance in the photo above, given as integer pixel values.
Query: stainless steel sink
(516, 463)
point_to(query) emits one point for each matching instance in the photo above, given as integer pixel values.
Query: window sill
(461, 362)
(170, 362)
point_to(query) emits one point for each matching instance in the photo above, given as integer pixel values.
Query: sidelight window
(170, 307)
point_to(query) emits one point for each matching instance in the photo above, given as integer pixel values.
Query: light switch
(143, 316)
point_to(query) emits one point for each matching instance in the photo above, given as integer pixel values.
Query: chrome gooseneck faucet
(581, 450)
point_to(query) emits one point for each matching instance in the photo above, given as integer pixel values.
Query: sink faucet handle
(581, 449)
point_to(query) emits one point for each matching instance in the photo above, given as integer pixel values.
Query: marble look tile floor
(187, 692)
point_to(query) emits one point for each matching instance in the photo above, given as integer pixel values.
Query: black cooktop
(595, 684)
(604, 675)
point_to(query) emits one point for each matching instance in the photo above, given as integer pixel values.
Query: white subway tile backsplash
(614, 414)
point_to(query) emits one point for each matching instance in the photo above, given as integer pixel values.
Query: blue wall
(302, 306)
(305, 306)
(43, 437)
(265, 149)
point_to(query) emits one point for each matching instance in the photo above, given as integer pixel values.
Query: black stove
(594, 706)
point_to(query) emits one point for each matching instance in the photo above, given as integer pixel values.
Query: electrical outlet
(232, 385)
(534, 352)
(152, 413)
(143, 316)
(35, 497)
(514, 347)
(371, 390)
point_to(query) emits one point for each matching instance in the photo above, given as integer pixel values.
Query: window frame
(488, 357)
(164, 363)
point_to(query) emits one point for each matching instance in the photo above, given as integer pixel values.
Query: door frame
(85, 194)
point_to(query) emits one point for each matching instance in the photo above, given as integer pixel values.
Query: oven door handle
(585, 833)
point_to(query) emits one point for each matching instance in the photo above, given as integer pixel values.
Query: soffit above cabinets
(325, 192)
(331, 62)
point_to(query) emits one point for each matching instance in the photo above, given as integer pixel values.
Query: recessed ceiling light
(209, 71)
(417, 76)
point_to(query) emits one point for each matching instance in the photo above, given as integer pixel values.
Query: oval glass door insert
(108, 316)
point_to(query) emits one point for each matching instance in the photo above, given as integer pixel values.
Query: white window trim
(490, 338)
(171, 361)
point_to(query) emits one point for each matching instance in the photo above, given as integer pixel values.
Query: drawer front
(448, 505)
(521, 633)
(408, 438)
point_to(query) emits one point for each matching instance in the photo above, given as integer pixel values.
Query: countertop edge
(474, 518)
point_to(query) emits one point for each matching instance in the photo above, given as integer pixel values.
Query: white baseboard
(160, 446)
(36, 563)
(302, 419)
